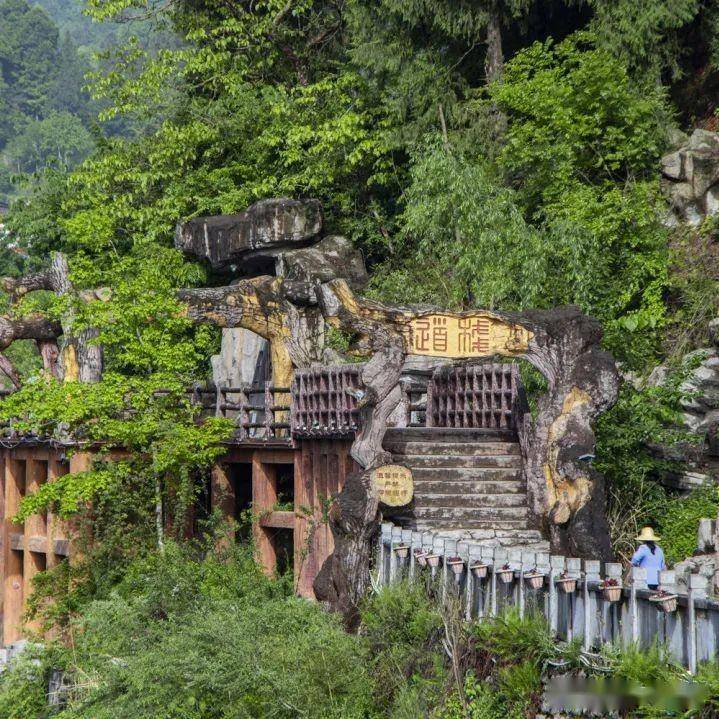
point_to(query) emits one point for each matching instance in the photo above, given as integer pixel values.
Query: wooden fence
(473, 396)
(259, 411)
(324, 401)
(576, 596)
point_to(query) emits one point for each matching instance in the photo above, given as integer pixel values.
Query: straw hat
(647, 535)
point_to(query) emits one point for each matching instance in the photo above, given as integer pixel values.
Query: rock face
(242, 360)
(690, 178)
(700, 414)
(261, 230)
(331, 257)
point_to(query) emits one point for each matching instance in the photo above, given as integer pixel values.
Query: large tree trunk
(494, 64)
(80, 357)
(494, 59)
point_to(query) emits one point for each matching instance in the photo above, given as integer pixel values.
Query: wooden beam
(13, 559)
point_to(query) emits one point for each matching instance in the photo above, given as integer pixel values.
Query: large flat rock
(263, 229)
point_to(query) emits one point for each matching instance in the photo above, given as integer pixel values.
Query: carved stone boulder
(262, 230)
(332, 257)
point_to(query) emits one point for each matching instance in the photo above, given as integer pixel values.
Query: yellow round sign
(393, 484)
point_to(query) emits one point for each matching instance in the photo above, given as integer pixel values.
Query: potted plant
(535, 579)
(420, 556)
(456, 564)
(479, 570)
(402, 551)
(566, 583)
(433, 560)
(505, 574)
(611, 590)
(666, 601)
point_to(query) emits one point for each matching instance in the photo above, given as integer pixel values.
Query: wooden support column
(3, 539)
(57, 530)
(35, 533)
(222, 497)
(264, 498)
(13, 558)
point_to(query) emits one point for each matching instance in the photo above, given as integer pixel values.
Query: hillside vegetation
(498, 154)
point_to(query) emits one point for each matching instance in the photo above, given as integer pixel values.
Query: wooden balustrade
(324, 401)
(259, 411)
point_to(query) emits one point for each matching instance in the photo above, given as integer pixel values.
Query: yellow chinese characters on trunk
(476, 334)
(393, 484)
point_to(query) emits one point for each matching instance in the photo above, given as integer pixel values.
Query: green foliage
(473, 247)
(679, 522)
(513, 639)
(59, 139)
(581, 147)
(625, 436)
(580, 117)
(45, 110)
(403, 628)
(23, 687)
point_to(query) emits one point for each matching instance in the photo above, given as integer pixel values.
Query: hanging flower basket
(402, 551)
(479, 570)
(420, 556)
(611, 590)
(664, 601)
(505, 574)
(535, 579)
(566, 583)
(433, 560)
(456, 564)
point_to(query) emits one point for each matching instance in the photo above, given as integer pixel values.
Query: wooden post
(222, 497)
(668, 583)
(244, 415)
(464, 551)
(269, 414)
(574, 570)
(556, 564)
(13, 590)
(35, 533)
(613, 570)
(264, 498)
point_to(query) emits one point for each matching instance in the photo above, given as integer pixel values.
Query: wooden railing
(476, 396)
(324, 401)
(259, 411)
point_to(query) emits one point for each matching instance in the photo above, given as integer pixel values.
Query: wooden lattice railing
(324, 401)
(473, 396)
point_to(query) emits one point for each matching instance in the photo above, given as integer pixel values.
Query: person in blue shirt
(649, 556)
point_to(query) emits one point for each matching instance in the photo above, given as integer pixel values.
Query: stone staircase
(468, 483)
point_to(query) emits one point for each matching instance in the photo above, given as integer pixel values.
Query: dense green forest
(49, 119)
(499, 154)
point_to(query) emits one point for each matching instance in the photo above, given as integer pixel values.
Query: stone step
(464, 525)
(448, 434)
(477, 514)
(505, 535)
(463, 488)
(446, 474)
(476, 461)
(470, 501)
(465, 449)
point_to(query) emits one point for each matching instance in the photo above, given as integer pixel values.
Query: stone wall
(690, 178)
